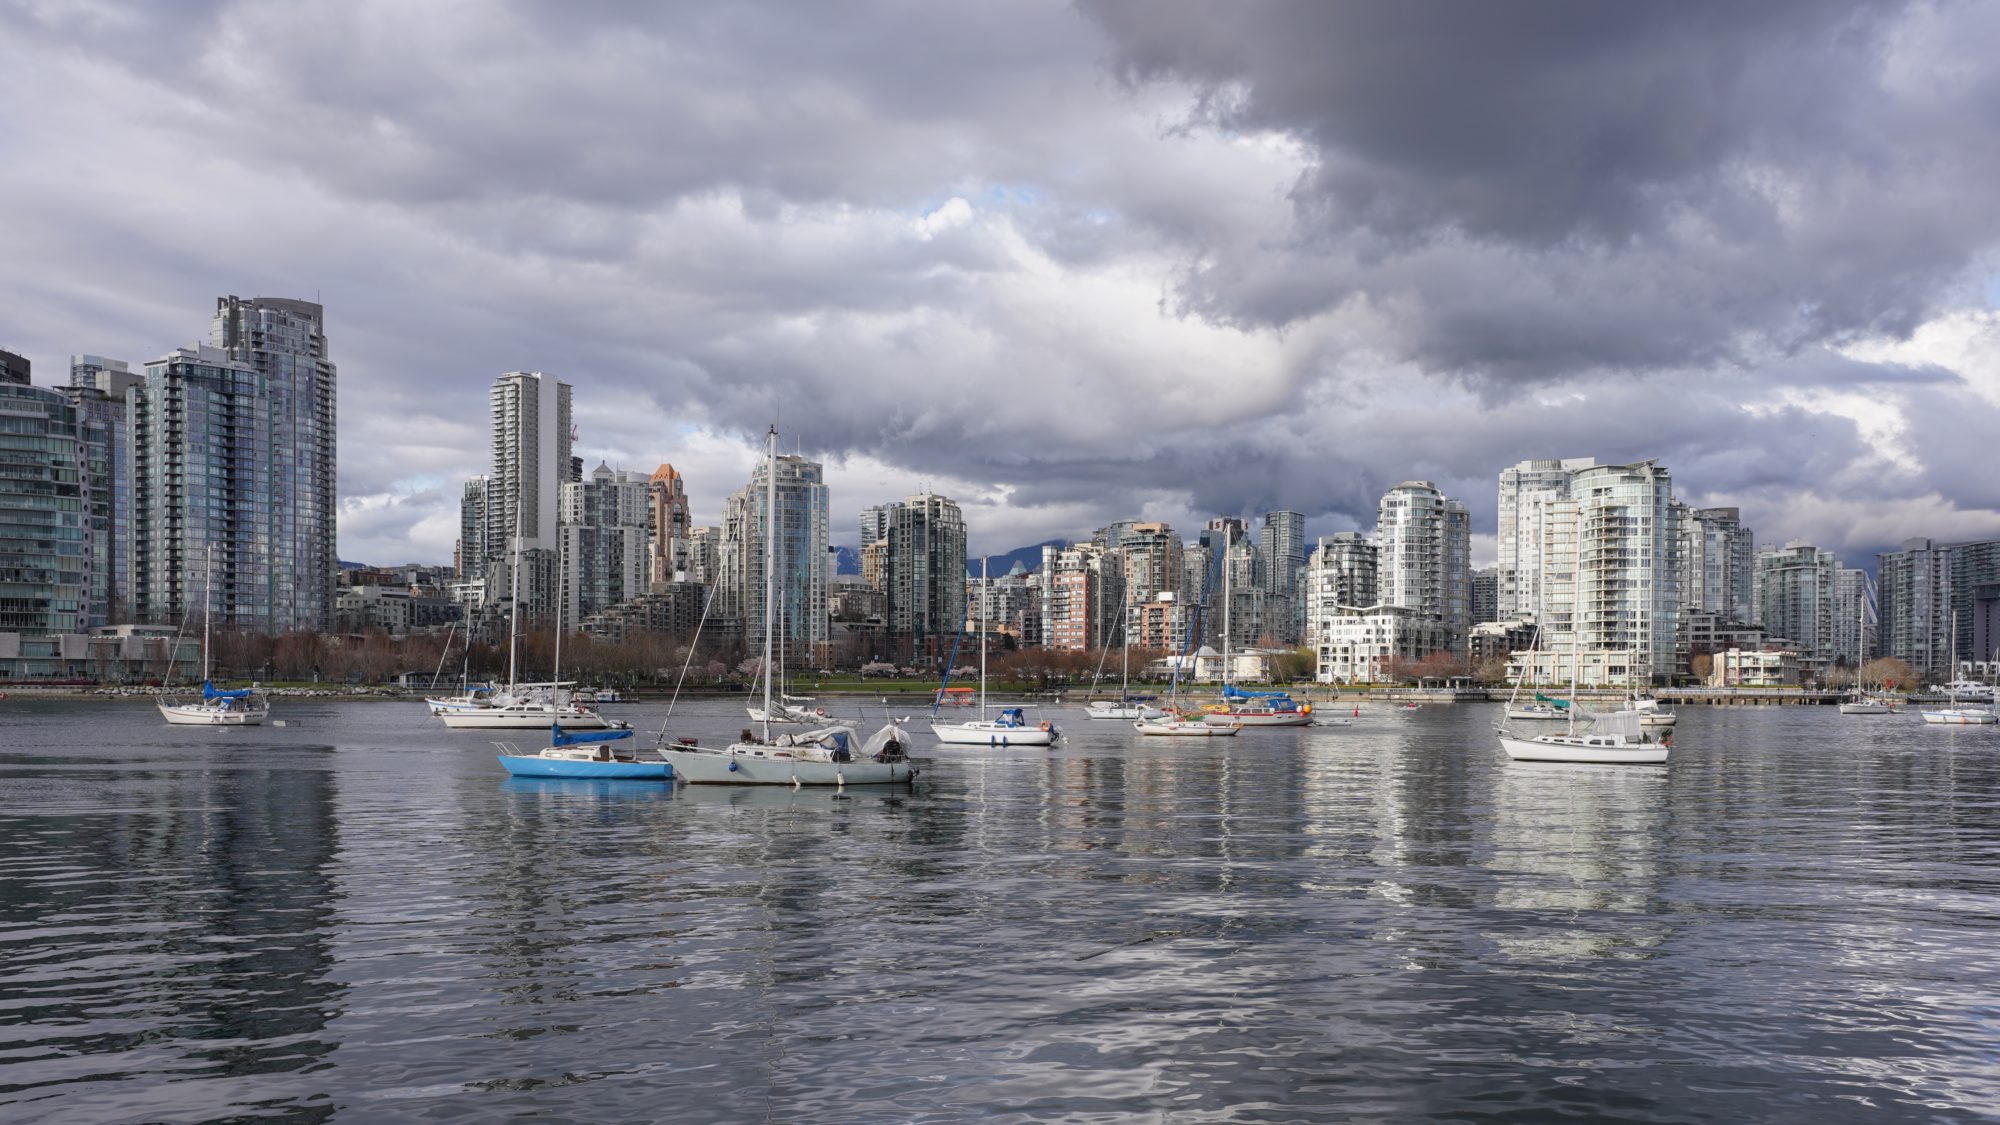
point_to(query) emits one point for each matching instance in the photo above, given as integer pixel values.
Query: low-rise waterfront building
(1764, 668)
(1365, 644)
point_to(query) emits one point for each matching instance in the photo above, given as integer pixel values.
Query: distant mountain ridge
(1030, 557)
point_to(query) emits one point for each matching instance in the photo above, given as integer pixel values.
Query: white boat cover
(1619, 724)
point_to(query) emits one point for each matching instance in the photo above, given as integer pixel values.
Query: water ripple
(355, 916)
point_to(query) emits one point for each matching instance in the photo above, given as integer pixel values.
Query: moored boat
(1258, 709)
(1651, 714)
(1174, 725)
(531, 712)
(594, 755)
(1012, 728)
(827, 756)
(216, 708)
(1114, 709)
(1960, 716)
(1618, 737)
(1952, 714)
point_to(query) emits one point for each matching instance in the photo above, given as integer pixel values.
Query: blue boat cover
(1012, 717)
(585, 738)
(1231, 691)
(208, 691)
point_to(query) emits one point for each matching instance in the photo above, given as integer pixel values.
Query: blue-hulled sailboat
(593, 755)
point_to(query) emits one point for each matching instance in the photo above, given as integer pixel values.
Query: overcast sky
(1066, 263)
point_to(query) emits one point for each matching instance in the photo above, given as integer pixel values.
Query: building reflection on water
(170, 919)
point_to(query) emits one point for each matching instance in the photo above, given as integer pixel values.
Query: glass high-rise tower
(284, 342)
(202, 454)
(800, 565)
(44, 528)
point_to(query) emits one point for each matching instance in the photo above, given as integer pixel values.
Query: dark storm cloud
(1542, 189)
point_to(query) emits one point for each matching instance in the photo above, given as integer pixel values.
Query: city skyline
(1068, 264)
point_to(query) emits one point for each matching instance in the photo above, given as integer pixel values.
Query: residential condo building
(284, 342)
(800, 559)
(1423, 541)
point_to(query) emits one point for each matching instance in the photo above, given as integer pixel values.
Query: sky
(1067, 263)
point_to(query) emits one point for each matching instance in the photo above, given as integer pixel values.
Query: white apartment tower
(531, 460)
(1609, 580)
(1423, 541)
(1527, 492)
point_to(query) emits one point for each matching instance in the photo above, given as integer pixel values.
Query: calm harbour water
(358, 917)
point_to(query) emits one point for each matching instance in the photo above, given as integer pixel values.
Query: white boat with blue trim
(1012, 728)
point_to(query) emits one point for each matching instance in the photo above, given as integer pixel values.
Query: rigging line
(692, 645)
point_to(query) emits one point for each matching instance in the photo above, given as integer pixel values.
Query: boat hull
(513, 718)
(1202, 729)
(1113, 711)
(1564, 748)
(1258, 719)
(766, 765)
(524, 765)
(992, 734)
(1866, 709)
(1956, 717)
(182, 715)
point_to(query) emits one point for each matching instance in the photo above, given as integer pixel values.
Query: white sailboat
(1539, 708)
(827, 756)
(1651, 714)
(1012, 728)
(240, 708)
(788, 708)
(1124, 707)
(1615, 737)
(1249, 708)
(469, 694)
(1173, 722)
(1954, 715)
(1865, 704)
(527, 706)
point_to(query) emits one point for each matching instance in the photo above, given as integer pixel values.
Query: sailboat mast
(561, 574)
(982, 639)
(1575, 618)
(1227, 606)
(770, 562)
(514, 600)
(209, 605)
